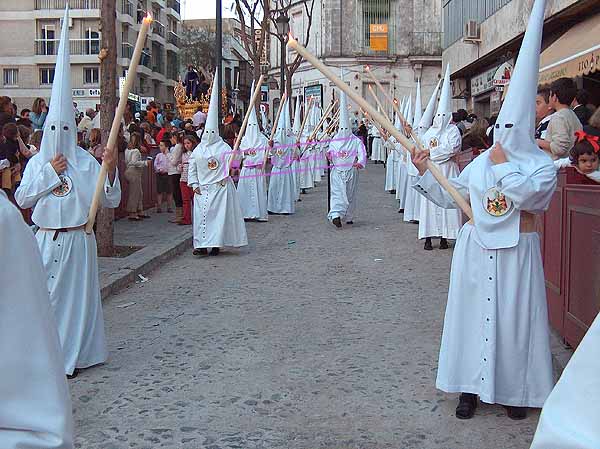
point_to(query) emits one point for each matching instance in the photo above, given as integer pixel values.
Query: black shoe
(393, 192)
(350, 222)
(76, 372)
(414, 221)
(214, 252)
(467, 403)
(516, 413)
(400, 211)
(337, 222)
(444, 244)
(303, 191)
(428, 246)
(299, 199)
(200, 252)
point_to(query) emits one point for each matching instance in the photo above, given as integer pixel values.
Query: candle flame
(148, 17)
(290, 37)
(367, 68)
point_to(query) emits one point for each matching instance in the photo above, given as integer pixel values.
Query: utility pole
(218, 63)
(108, 105)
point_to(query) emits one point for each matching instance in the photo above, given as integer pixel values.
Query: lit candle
(116, 124)
(385, 123)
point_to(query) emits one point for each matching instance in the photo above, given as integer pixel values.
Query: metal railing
(174, 4)
(73, 4)
(49, 47)
(158, 67)
(158, 28)
(146, 59)
(126, 50)
(426, 43)
(128, 8)
(173, 38)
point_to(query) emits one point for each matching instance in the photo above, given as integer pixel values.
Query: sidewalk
(159, 241)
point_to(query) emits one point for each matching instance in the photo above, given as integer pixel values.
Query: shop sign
(316, 92)
(483, 82)
(79, 93)
(502, 76)
(378, 36)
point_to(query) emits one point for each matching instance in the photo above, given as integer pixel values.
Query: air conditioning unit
(472, 32)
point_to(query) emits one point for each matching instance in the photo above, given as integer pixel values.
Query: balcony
(146, 59)
(128, 8)
(73, 4)
(173, 39)
(79, 47)
(158, 67)
(126, 50)
(174, 5)
(158, 28)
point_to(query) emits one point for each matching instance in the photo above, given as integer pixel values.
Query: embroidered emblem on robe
(65, 187)
(496, 203)
(212, 163)
(433, 142)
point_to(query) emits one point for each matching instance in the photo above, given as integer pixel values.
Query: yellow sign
(378, 33)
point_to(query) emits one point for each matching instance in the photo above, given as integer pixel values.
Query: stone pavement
(159, 241)
(308, 338)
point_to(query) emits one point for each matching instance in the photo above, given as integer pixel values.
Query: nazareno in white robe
(412, 203)
(282, 187)
(435, 221)
(218, 219)
(305, 167)
(70, 258)
(390, 166)
(343, 153)
(252, 186)
(495, 341)
(401, 177)
(377, 149)
(569, 419)
(35, 407)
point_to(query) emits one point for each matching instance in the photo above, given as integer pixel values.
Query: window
(92, 42)
(11, 77)
(90, 75)
(228, 78)
(48, 40)
(46, 76)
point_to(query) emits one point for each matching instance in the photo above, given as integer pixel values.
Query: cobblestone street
(309, 338)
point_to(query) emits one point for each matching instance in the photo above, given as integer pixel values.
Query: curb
(129, 274)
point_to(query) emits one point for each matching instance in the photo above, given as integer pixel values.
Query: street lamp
(283, 28)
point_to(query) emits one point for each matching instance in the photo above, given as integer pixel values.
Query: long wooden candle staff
(308, 109)
(379, 103)
(252, 104)
(385, 123)
(116, 124)
(323, 118)
(275, 123)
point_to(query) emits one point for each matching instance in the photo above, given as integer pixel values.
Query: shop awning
(575, 53)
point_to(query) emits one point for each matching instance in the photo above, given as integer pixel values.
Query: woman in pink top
(163, 184)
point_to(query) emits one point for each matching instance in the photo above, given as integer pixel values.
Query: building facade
(29, 38)
(482, 39)
(400, 40)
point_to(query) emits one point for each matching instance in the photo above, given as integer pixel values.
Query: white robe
(282, 187)
(390, 166)
(252, 186)
(35, 407)
(569, 419)
(218, 219)
(344, 177)
(305, 168)
(401, 177)
(495, 341)
(377, 150)
(412, 203)
(435, 221)
(295, 168)
(70, 259)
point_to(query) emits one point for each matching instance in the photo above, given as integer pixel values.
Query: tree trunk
(108, 105)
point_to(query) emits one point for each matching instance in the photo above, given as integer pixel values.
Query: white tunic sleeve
(530, 193)
(112, 193)
(427, 186)
(562, 163)
(362, 154)
(37, 181)
(594, 176)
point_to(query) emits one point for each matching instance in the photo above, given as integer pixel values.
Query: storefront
(575, 54)
(86, 99)
(486, 89)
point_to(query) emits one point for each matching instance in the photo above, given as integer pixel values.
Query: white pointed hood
(263, 117)
(344, 127)
(252, 136)
(427, 117)
(514, 128)
(297, 119)
(408, 115)
(60, 129)
(444, 110)
(282, 131)
(211, 128)
(418, 107)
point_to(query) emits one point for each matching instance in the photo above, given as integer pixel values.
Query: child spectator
(163, 183)
(584, 155)
(560, 135)
(543, 111)
(96, 148)
(190, 141)
(133, 174)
